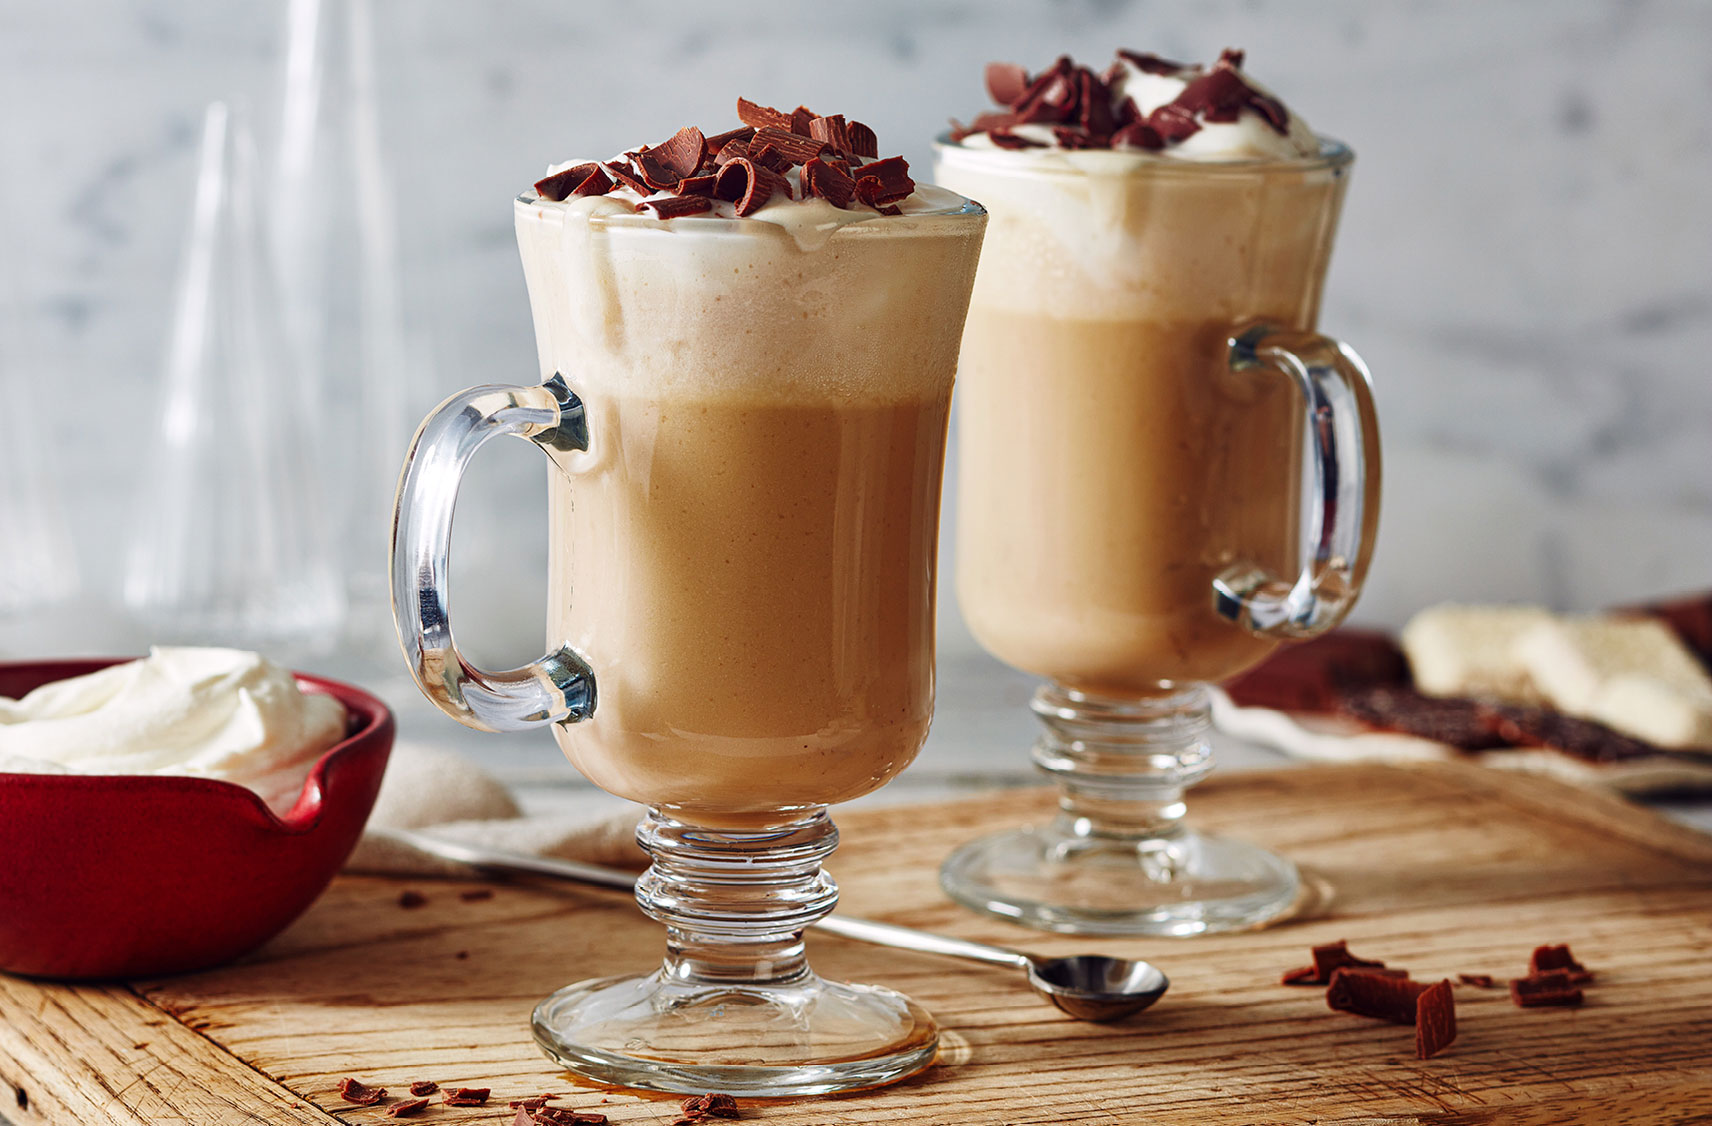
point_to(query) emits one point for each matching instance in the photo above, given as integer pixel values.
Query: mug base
(807, 1037)
(1186, 883)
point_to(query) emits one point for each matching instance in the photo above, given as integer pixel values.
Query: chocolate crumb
(466, 1096)
(411, 899)
(1553, 987)
(409, 1108)
(360, 1093)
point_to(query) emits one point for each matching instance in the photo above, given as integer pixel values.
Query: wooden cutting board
(1441, 869)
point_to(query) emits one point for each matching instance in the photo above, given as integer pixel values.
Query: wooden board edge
(100, 1055)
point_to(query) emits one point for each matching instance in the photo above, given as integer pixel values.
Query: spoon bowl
(1096, 987)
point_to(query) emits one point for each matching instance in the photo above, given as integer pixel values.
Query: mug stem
(1119, 858)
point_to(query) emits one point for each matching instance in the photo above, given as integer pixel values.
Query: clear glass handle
(1340, 494)
(558, 687)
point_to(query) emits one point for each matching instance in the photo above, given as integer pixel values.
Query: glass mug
(1139, 373)
(747, 432)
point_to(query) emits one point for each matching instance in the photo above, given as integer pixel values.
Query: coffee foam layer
(1097, 234)
(867, 309)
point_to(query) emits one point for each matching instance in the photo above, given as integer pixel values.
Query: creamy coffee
(746, 551)
(1111, 464)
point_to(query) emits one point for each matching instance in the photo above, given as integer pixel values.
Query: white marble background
(1525, 260)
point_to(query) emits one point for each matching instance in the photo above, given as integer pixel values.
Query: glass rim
(962, 210)
(1333, 155)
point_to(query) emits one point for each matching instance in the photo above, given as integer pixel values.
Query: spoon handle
(845, 926)
(906, 938)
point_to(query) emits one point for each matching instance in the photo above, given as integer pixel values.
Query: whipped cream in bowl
(172, 813)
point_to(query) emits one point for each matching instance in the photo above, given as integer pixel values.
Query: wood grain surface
(1442, 870)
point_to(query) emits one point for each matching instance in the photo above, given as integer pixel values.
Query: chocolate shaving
(1376, 995)
(796, 149)
(625, 173)
(1006, 82)
(677, 206)
(557, 1116)
(683, 152)
(1005, 139)
(566, 182)
(409, 1108)
(762, 117)
(466, 1096)
(1479, 981)
(1435, 1020)
(863, 142)
(891, 181)
(1138, 135)
(829, 182)
(749, 185)
(411, 899)
(1554, 987)
(718, 141)
(1546, 959)
(1095, 112)
(1151, 64)
(697, 185)
(710, 1106)
(360, 1093)
(1330, 957)
(802, 119)
(1173, 123)
(832, 131)
(424, 1087)
(769, 156)
(729, 152)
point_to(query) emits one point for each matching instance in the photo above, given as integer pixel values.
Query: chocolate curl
(1374, 995)
(863, 142)
(795, 148)
(1553, 987)
(670, 161)
(1005, 139)
(733, 149)
(1006, 82)
(768, 156)
(710, 1106)
(750, 113)
(697, 185)
(1435, 1020)
(749, 185)
(409, 1108)
(360, 1093)
(829, 182)
(424, 1087)
(1548, 958)
(892, 178)
(801, 119)
(1151, 64)
(717, 142)
(569, 181)
(1096, 109)
(622, 172)
(832, 131)
(1050, 96)
(1173, 123)
(467, 1096)
(673, 207)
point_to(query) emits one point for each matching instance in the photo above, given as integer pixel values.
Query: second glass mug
(747, 435)
(1138, 373)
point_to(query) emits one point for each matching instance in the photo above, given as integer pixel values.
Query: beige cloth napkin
(442, 792)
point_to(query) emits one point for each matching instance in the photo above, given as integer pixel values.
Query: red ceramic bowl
(111, 876)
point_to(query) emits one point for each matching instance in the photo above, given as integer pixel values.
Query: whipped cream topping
(204, 713)
(1144, 106)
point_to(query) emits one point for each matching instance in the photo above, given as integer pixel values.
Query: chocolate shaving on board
(409, 1108)
(1376, 995)
(710, 1106)
(1479, 981)
(1551, 988)
(424, 1087)
(1545, 959)
(1435, 1020)
(466, 1096)
(677, 206)
(558, 1116)
(1330, 957)
(360, 1093)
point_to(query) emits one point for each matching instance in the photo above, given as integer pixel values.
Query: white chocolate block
(1469, 651)
(1631, 674)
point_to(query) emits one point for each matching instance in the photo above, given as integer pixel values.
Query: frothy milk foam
(745, 553)
(1110, 463)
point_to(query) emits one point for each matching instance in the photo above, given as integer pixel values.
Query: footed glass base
(1186, 883)
(805, 1037)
